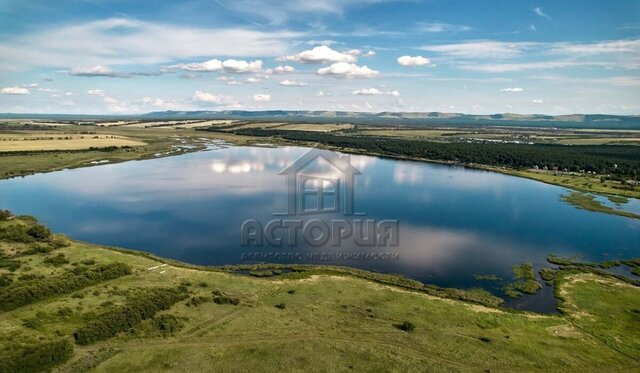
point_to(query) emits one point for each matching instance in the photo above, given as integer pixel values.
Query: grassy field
(309, 321)
(601, 141)
(149, 143)
(316, 127)
(54, 141)
(581, 182)
(411, 133)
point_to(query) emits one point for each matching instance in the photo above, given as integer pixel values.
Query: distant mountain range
(598, 121)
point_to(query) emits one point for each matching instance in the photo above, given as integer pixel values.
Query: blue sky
(471, 56)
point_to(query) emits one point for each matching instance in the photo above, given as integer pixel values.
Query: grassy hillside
(148, 314)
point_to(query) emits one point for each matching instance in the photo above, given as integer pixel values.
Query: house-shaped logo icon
(320, 181)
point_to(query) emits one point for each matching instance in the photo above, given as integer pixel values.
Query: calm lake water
(453, 222)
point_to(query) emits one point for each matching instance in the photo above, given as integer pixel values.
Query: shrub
(196, 301)
(56, 261)
(9, 264)
(29, 277)
(224, 299)
(36, 357)
(167, 324)
(5, 280)
(406, 326)
(33, 323)
(5, 214)
(20, 294)
(39, 248)
(25, 233)
(60, 241)
(39, 232)
(15, 233)
(65, 312)
(281, 306)
(132, 313)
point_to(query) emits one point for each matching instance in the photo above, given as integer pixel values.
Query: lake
(452, 222)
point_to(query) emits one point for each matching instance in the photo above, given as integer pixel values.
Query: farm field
(316, 127)
(53, 141)
(411, 133)
(115, 144)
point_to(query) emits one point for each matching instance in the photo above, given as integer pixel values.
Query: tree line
(603, 159)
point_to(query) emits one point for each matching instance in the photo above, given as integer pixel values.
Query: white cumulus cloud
(348, 70)
(160, 103)
(375, 91)
(230, 66)
(261, 97)
(14, 91)
(241, 67)
(210, 98)
(413, 61)
(512, 90)
(321, 54)
(92, 71)
(286, 69)
(95, 92)
(292, 83)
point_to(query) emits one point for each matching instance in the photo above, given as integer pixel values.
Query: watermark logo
(320, 209)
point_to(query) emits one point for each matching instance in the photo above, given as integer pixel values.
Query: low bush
(5, 215)
(9, 264)
(196, 301)
(5, 280)
(167, 324)
(23, 293)
(119, 319)
(224, 299)
(56, 260)
(406, 326)
(35, 357)
(25, 233)
(65, 312)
